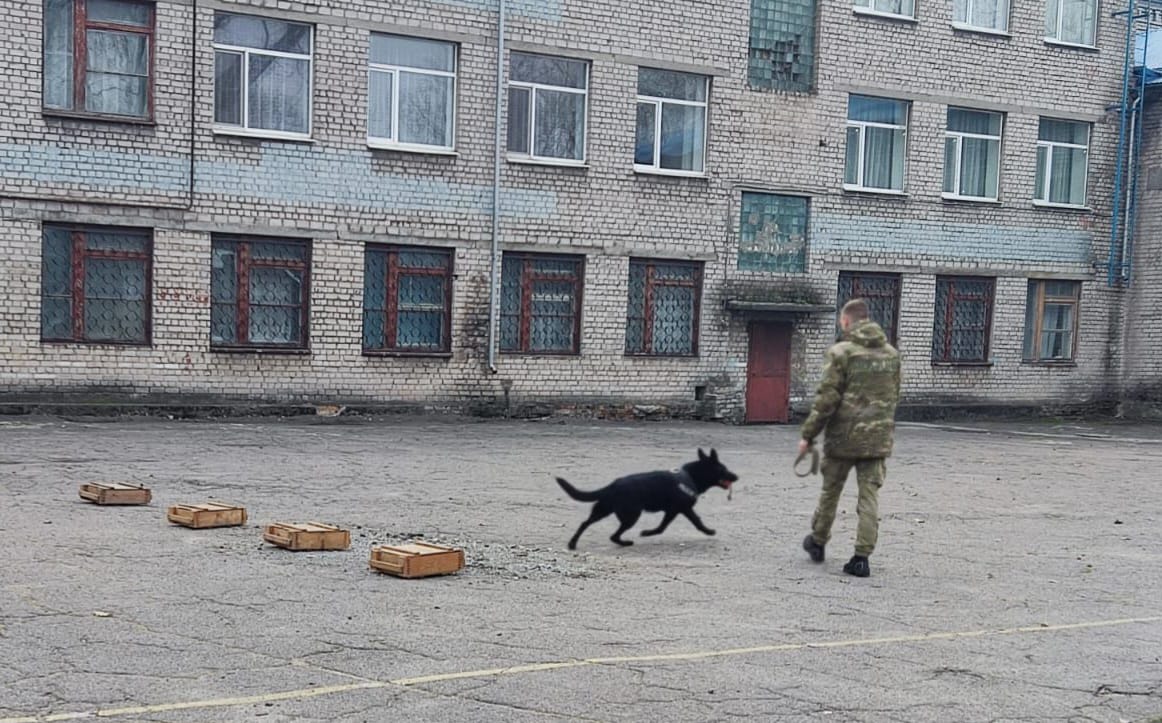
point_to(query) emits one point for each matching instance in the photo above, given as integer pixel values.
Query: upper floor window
(671, 121)
(1062, 159)
(781, 51)
(412, 91)
(773, 233)
(876, 135)
(262, 76)
(972, 155)
(547, 103)
(1073, 22)
(986, 15)
(893, 8)
(98, 57)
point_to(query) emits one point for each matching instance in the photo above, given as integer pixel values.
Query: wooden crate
(309, 536)
(210, 514)
(115, 494)
(417, 559)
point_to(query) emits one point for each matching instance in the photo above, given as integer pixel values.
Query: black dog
(673, 493)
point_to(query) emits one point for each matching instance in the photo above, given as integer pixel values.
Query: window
(95, 284)
(1062, 157)
(262, 76)
(781, 54)
(671, 121)
(98, 57)
(1051, 320)
(664, 299)
(876, 134)
(412, 91)
(406, 299)
(540, 304)
(773, 233)
(547, 99)
(895, 8)
(972, 155)
(987, 15)
(1073, 22)
(259, 293)
(963, 319)
(880, 291)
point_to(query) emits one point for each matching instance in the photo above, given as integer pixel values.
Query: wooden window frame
(528, 276)
(392, 275)
(648, 307)
(855, 276)
(79, 254)
(244, 264)
(949, 314)
(1039, 319)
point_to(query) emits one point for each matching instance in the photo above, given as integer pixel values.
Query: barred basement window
(880, 291)
(773, 233)
(259, 292)
(963, 319)
(407, 299)
(782, 45)
(664, 301)
(95, 284)
(540, 303)
(1051, 320)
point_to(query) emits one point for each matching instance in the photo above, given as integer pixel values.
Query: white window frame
(394, 70)
(867, 7)
(658, 102)
(246, 52)
(956, 195)
(531, 156)
(1056, 39)
(862, 126)
(966, 24)
(1049, 146)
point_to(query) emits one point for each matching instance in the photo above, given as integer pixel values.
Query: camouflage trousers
(869, 474)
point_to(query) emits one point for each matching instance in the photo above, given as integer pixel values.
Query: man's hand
(804, 445)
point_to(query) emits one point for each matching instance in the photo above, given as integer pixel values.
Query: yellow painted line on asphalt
(306, 693)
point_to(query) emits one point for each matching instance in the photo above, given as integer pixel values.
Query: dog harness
(686, 483)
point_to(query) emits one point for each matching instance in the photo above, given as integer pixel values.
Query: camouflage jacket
(857, 398)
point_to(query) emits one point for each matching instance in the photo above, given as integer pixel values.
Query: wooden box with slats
(417, 559)
(308, 536)
(115, 494)
(210, 514)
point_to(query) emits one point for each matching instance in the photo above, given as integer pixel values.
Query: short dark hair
(856, 310)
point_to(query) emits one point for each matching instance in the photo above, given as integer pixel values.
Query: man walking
(856, 403)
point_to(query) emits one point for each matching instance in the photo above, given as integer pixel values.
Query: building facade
(344, 201)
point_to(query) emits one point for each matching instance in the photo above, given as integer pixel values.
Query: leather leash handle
(814, 462)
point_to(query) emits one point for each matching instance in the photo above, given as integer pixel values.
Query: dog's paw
(710, 532)
(624, 543)
(649, 533)
(572, 545)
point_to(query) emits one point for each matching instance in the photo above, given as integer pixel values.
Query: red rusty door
(768, 373)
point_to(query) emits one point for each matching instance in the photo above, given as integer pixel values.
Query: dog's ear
(701, 454)
(713, 454)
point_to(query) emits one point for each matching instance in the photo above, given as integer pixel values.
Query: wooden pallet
(309, 536)
(417, 559)
(115, 494)
(206, 515)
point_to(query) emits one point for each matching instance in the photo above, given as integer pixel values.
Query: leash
(814, 453)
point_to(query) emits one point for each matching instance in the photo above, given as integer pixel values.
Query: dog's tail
(576, 493)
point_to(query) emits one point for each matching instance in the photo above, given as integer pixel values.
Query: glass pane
(877, 110)
(851, 160)
(683, 137)
(1063, 131)
(950, 146)
(58, 54)
(773, 233)
(1039, 183)
(421, 292)
(425, 109)
(275, 304)
(518, 120)
(56, 317)
(248, 31)
(1051, 16)
(1030, 320)
(224, 275)
(1077, 21)
(115, 294)
(671, 84)
(413, 52)
(991, 14)
(781, 53)
(117, 11)
(979, 167)
(552, 309)
(56, 261)
(228, 88)
(117, 241)
(423, 260)
(116, 94)
(636, 308)
(279, 94)
(548, 70)
(510, 303)
(883, 158)
(374, 298)
(274, 325)
(420, 330)
(894, 7)
(1056, 345)
(1061, 289)
(673, 322)
(972, 121)
(1067, 176)
(379, 105)
(1058, 317)
(880, 291)
(118, 69)
(275, 286)
(276, 251)
(646, 133)
(560, 129)
(960, 11)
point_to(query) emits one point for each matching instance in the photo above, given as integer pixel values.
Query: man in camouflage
(856, 404)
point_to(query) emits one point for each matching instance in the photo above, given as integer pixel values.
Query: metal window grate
(540, 304)
(407, 299)
(773, 233)
(880, 291)
(663, 308)
(782, 45)
(259, 291)
(963, 319)
(95, 285)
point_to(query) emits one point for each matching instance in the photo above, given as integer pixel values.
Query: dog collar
(686, 483)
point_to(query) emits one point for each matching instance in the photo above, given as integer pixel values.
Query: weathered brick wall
(340, 194)
(1143, 332)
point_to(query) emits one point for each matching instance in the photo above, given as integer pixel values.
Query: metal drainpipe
(1132, 184)
(494, 276)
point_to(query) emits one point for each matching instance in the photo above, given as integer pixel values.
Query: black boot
(813, 548)
(857, 566)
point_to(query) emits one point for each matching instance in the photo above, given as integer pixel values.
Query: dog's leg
(628, 519)
(697, 521)
(661, 527)
(600, 511)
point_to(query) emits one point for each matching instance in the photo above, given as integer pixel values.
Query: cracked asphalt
(1018, 577)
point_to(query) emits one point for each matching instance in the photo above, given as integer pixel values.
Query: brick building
(294, 200)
